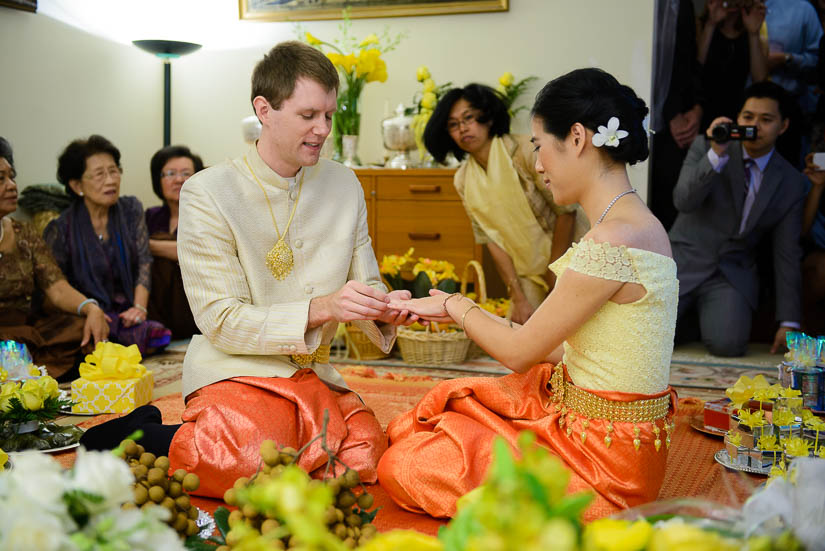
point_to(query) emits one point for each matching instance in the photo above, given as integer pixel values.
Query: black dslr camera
(726, 132)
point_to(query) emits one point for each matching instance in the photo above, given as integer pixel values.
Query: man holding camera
(734, 190)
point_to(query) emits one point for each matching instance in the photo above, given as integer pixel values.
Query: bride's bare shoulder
(643, 232)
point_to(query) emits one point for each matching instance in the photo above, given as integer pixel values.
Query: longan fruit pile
(342, 518)
(153, 486)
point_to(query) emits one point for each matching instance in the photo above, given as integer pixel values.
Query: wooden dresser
(418, 208)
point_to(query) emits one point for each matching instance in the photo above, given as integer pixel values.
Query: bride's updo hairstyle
(591, 97)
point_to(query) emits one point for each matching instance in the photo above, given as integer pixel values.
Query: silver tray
(724, 459)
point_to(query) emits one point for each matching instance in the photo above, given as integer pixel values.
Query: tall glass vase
(346, 122)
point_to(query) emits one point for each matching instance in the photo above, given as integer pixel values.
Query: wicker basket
(474, 350)
(360, 346)
(428, 348)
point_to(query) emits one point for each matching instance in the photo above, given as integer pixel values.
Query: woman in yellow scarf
(510, 210)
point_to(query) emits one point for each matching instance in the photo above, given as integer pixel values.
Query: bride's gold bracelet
(464, 315)
(444, 304)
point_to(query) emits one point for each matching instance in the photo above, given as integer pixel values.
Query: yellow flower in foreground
(678, 536)
(31, 395)
(402, 540)
(616, 535)
(7, 392)
(506, 79)
(422, 73)
(49, 386)
(4, 458)
(371, 39)
(312, 40)
(790, 392)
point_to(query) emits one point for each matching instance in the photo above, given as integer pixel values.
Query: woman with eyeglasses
(170, 168)
(58, 336)
(101, 243)
(510, 211)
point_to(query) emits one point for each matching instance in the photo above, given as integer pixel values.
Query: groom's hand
(353, 301)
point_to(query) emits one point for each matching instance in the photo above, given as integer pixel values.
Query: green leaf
(196, 543)
(458, 532)
(221, 517)
(367, 516)
(421, 285)
(572, 506)
(504, 466)
(447, 285)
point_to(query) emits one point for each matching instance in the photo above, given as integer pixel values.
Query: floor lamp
(167, 50)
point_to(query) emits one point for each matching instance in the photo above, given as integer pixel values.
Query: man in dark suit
(730, 196)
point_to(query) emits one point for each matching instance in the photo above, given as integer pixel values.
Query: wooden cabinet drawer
(416, 187)
(439, 230)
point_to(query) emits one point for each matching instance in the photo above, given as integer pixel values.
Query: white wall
(61, 83)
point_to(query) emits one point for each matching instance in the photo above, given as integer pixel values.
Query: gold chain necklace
(279, 258)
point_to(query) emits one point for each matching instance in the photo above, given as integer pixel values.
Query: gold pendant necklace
(279, 258)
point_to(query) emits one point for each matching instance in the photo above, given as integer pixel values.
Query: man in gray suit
(730, 197)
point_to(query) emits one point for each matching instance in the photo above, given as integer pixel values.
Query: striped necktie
(750, 192)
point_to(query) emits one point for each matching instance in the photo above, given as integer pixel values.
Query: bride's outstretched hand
(428, 309)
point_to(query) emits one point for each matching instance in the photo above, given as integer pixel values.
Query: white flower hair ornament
(609, 135)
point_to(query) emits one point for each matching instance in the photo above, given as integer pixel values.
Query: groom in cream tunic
(261, 369)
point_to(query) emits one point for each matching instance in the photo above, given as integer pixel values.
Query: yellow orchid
(752, 419)
(311, 39)
(821, 452)
(506, 79)
(4, 458)
(735, 438)
(768, 443)
(422, 73)
(3, 375)
(369, 40)
(807, 416)
(783, 417)
(788, 392)
(429, 85)
(743, 390)
(797, 447)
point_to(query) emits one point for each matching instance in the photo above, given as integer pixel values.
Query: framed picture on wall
(26, 5)
(305, 10)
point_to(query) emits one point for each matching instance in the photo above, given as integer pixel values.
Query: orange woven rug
(691, 469)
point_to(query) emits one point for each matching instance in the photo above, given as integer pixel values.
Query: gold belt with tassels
(575, 403)
(320, 356)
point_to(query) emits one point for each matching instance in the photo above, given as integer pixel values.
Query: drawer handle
(418, 236)
(425, 188)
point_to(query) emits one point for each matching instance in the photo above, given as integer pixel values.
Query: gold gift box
(111, 395)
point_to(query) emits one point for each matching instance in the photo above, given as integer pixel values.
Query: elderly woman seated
(101, 243)
(170, 168)
(73, 324)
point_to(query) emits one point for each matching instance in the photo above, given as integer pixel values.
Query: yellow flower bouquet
(509, 89)
(427, 274)
(358, 62)
(424, 102)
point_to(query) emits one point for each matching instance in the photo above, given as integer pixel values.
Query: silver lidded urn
(399, 138)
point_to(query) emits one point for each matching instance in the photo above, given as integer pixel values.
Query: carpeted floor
(391, 387)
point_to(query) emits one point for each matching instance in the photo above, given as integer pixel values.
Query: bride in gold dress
(591, 365)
